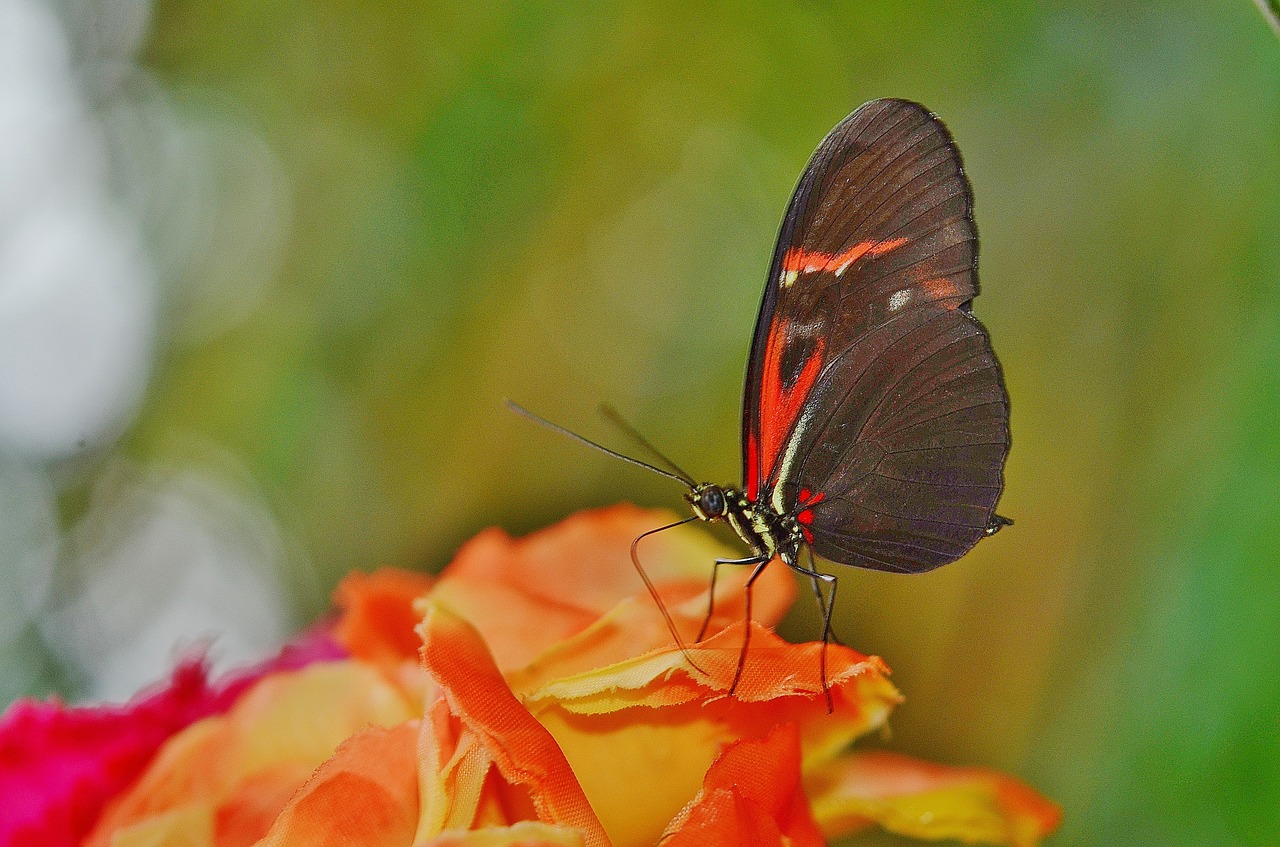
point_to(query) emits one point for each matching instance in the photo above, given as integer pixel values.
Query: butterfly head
(708, 501)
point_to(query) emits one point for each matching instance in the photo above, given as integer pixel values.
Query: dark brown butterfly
(875, 420)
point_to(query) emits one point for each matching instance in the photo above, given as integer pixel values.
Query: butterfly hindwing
(875, 409)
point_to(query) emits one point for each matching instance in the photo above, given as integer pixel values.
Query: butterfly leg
(711, 591)
(711, 602)
(827, 608)
(816, 579)
(760, 562)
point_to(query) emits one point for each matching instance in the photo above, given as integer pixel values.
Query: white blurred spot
(99, 176)
(46, 139)
(77, 300)
(163, 561)
(76, 318)
(899, 299)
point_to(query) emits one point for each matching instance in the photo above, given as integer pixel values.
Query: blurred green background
(360, 226)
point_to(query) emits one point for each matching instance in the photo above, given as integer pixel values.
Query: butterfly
(875, 422)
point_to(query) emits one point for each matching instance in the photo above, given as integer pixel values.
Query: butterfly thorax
(766, 532)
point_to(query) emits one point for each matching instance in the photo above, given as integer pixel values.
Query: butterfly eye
(711, 502)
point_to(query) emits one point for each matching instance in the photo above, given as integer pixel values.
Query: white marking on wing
(788, 458)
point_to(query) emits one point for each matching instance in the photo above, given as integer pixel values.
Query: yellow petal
(189, 827)
(926, 800)
(522, 834)
(637, 769)
(655, 714)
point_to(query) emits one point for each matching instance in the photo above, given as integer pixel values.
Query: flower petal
(188, 827)
(444, 793)
(751, 796)
(520, 834)
(926, 800)
(522, 750)
(377, 625)
(377, 614)
(366, 794)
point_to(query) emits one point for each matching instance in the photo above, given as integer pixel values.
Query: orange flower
(531, 696)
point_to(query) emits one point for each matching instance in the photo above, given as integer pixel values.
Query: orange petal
(366, 794)
(751, 796)
(528, 594)
(377, 614)
(252, 807)
(521, 749)
(926, 800)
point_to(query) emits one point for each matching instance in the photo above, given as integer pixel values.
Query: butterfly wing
(875, 409)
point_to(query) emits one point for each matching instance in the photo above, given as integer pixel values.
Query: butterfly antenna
(521, 410)
(622, 424)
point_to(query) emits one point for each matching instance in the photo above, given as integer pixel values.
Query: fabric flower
(532, 695)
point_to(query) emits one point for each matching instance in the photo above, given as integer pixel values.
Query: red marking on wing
(808, 261)
(942, 289)
(779, 407)
(808, 500)
(753, 467)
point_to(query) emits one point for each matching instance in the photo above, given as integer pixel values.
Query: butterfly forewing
(875, 409)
